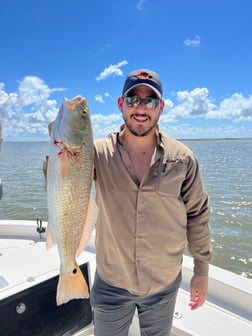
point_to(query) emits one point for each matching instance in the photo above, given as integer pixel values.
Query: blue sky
(202, 50)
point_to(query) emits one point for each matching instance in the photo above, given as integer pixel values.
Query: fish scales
(70, 174)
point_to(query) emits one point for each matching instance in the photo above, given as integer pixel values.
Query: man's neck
(135, 143)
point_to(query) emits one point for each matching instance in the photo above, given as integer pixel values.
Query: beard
(140, 130)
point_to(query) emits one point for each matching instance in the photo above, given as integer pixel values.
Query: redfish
(72, 212)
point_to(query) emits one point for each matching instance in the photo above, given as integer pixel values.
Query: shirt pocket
(172, 176)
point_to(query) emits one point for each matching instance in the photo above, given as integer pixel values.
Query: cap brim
(150, 86)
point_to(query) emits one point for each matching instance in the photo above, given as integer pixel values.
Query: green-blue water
(226, 168)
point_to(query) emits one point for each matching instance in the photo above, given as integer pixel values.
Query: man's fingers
(197, 299)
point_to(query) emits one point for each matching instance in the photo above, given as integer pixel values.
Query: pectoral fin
(63, 162)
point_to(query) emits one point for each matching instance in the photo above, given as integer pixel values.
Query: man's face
(140, 119)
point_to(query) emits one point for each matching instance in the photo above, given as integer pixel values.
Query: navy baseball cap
(143, 77)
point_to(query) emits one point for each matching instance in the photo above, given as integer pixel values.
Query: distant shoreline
(215, 139)
(183, 139)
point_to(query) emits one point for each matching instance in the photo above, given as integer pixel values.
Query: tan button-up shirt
(142, 230)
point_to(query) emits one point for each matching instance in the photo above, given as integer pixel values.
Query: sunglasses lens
(151, 102)
(134, 101)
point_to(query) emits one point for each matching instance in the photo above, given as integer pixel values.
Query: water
(226, 169)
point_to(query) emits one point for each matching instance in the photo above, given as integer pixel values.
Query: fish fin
(63, 157)
(89, 225)
(50, 241)
(71, 286)
(45, 169)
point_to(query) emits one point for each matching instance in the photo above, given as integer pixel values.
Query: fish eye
(85, 111)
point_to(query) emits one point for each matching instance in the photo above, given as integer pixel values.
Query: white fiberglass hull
(25, 264)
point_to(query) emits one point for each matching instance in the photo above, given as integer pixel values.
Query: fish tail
(71, 286)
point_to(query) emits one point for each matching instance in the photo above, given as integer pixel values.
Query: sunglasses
(135, 101)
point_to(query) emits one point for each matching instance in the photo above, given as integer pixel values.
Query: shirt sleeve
(196, 201)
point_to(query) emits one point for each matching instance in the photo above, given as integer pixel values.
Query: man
(152, 203)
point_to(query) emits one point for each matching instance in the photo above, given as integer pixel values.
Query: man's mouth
(140, 118)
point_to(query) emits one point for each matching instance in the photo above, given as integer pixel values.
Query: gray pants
(114, 309)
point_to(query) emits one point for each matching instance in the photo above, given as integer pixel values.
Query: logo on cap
(143, 75)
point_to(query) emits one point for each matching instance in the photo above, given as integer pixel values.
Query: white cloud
(236, 107)
(103, 125)
(198, 104)
(111, 70)
(106, 119)
(192, 42)
(27, 112)
(140, 4)
(99, 99)
(189, 131)
(195, 103)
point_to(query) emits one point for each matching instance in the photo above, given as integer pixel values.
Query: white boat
(28, 278)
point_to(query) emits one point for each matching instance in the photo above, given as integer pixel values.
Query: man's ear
(120, 103)
(162, 105)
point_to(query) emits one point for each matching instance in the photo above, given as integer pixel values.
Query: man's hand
(45, 163)
(199, 288)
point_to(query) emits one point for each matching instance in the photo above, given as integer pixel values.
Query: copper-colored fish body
(69, 181)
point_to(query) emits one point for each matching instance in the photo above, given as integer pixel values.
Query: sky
(56, 49)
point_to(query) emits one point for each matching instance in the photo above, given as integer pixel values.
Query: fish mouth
(69, 148)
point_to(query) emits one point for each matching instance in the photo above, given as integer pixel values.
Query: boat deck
(25, 262)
